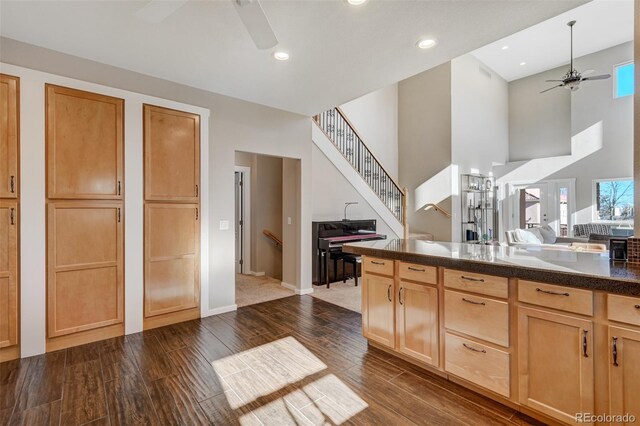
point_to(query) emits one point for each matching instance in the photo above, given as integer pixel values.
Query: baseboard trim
(220, 310)
(296, 290)
(256, 274)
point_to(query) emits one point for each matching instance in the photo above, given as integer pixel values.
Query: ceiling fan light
(356, 2)
(426, 43)
(281, 56)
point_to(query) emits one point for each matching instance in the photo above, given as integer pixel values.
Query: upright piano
(328, 237)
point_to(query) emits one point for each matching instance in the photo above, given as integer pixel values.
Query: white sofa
(540, 237)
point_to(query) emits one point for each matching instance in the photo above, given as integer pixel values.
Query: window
(613, 199)
(623, 79)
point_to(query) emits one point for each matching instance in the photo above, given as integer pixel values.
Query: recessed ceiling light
(523, 63)
(505, 47)
(281, 56)
(356, 2)
(426, 43)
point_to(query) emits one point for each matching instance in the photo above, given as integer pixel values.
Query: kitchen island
(554, 334)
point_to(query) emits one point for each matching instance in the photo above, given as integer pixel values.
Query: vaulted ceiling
(338, 51)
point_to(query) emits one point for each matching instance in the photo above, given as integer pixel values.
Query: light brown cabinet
(171, 155)
(85, 266)
(172, 258)
(172, 210)
(417, 322)
(9, 135)
(624, 374)
(8, 274)
(85, 134)
(378, 298)
(555, 363)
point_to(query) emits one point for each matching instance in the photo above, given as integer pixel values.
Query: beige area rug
(251, 290)
(342, 294)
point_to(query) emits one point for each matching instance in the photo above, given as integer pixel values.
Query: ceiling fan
(573, 78)
(250, 11)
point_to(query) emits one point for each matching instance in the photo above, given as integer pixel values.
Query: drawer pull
(474, 349)
(411, 268)
(551, 292)
(473, 302)
(13, 184)
(584, 343)
(614, 351)
(389, 293)
(377, 263)
(637, 306)
(400, 295)
(479, 280)
(12, 219)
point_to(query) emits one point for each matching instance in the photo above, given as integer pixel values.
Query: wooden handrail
(273, 238)
(438, 209)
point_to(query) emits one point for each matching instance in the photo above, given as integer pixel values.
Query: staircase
(341, 133)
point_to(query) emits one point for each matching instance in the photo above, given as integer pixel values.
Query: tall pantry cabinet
(9, 217)
(171, 216)
(85, 216)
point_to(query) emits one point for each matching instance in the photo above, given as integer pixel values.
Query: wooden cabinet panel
(417, 322)
(378, 299)
(85, 266)
(623, 309)
(8, 273)
(172, 258)
(84, 140)
(624, 374)
(489, 285)
(558, 297)
(172, 154)
(9, 129)
(377, 266)
(480, 364)
(477, 316)
(555, 363)
(420, 273)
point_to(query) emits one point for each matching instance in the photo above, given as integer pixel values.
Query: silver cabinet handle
(479, 280)
(473, 302)
(411, 268)
(474, 349)
(554, 293)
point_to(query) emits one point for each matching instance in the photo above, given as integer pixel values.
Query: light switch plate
(288, 220)
(224, 225)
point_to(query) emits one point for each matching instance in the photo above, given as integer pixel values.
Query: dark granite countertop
(575, 269)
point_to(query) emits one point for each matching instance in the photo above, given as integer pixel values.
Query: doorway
(533, 206)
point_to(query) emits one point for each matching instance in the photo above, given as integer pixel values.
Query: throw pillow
(526, 236)
(548, 234)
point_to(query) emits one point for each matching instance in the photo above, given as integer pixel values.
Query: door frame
(246, 219)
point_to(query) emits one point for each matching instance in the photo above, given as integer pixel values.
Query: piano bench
(354, 260)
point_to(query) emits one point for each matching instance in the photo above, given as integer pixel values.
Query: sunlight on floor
(271, 384)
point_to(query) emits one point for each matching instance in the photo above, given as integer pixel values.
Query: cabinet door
(624, 374)
(84, 139)
(85, 267)
(172, 258)
(378, 298)
(555, 363)
(417, 322)
(8, 273)
(172, 155)
(9, 128)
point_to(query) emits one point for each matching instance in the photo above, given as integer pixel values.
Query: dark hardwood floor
(296, 360)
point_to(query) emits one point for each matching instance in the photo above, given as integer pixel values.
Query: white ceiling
(600, 24)
(338, 52)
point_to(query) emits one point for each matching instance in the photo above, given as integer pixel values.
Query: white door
(533, 205)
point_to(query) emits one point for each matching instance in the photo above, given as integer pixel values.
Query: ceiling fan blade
(551, 88)
(553, 81)
(156, 11)
(598, 77)
(256, 23)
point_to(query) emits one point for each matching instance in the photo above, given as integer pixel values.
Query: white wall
(331, 190)
(234, 125)
(479, 122)
(601, 131)
(375, 118)
(32, 171)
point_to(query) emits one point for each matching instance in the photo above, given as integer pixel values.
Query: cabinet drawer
(420, 273)
(378, 266)
(477, 316)
(623, 309)
(486, 367)
(556, 297)
(477, 283)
